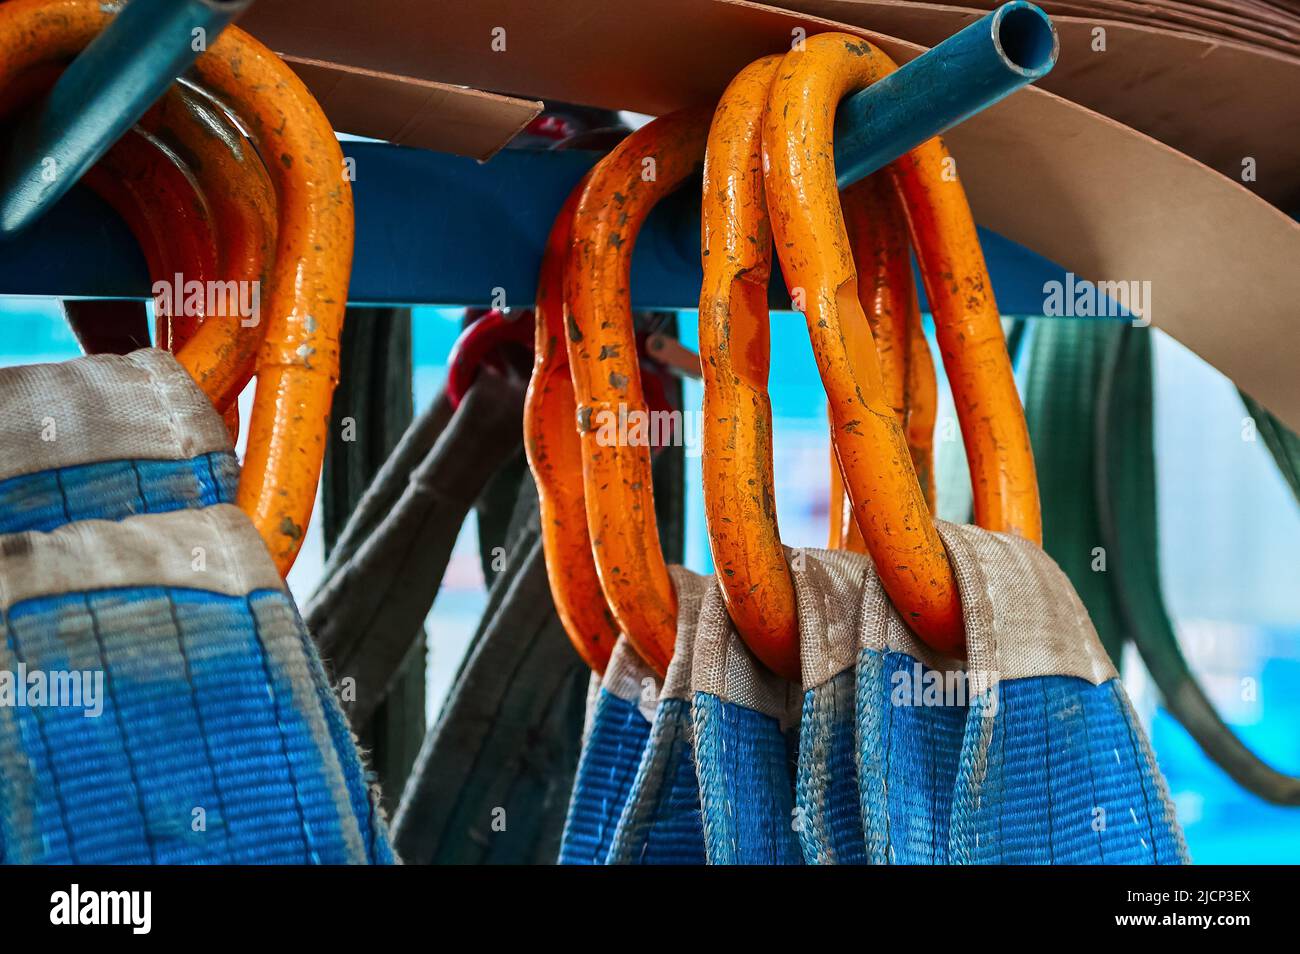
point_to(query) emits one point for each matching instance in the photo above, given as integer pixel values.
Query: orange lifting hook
(233, 183)
(198, 201)
(555, 456)
(298, 362)
(735, 359)
(877, 232)
(813, 247)
(623, 188)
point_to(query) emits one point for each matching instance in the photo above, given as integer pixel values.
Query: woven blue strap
(1060, 772)
(214, 741)
(746, 788)
(908, 755)
(828, 818)
(661, 823)
(161, 723)
(606, 769)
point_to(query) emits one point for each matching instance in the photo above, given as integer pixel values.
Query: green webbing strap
(1125, 478)
(1061, 408)
(1282, 442)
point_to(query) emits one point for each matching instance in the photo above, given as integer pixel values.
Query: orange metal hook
(815, 256)
(298, 361)
(554, 452)
(877, 231)
(624, 186)
(735, 357)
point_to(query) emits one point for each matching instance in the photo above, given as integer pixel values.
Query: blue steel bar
(101, 95)
(974, 68)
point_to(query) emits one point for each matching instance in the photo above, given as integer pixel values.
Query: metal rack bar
(434, 229)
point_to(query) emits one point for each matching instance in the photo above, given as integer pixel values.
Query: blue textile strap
(112, 490)
(1055, 770)
(217, 742)
(908, 754)
(606, 770)
(661, 822)
(160, 699)
(746, 789)
(828, 818)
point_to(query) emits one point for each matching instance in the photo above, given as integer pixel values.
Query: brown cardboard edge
(1104, 201)
(409, 111)
(1245, 99)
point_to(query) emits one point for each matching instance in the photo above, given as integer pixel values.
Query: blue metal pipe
(101, 95)
(974, 68)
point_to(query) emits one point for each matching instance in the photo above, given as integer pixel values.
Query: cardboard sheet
(1105, 201)
(1220, 102)
(414, 112)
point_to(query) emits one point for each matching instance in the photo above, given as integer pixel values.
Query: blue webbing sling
(1025, 752)
(661, 821)
(213, 736)
(612, 746)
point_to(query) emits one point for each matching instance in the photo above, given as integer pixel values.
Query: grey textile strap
(213, 549)
(368, 613)
(506, 746)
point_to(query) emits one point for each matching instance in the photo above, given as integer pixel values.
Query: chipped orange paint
(921, 402)
(877, 232)
(735, 358)
(298, 361)
(815, 255)
(622, 190)
(554, 452)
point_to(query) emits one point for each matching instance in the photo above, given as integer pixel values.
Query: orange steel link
(233, 184)
(555, 456)
(622, 189)
(815, 255)
(298, 362)
(877, 233)
(735, 356)
(191, 208)
(157, 198)
(735, 360)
